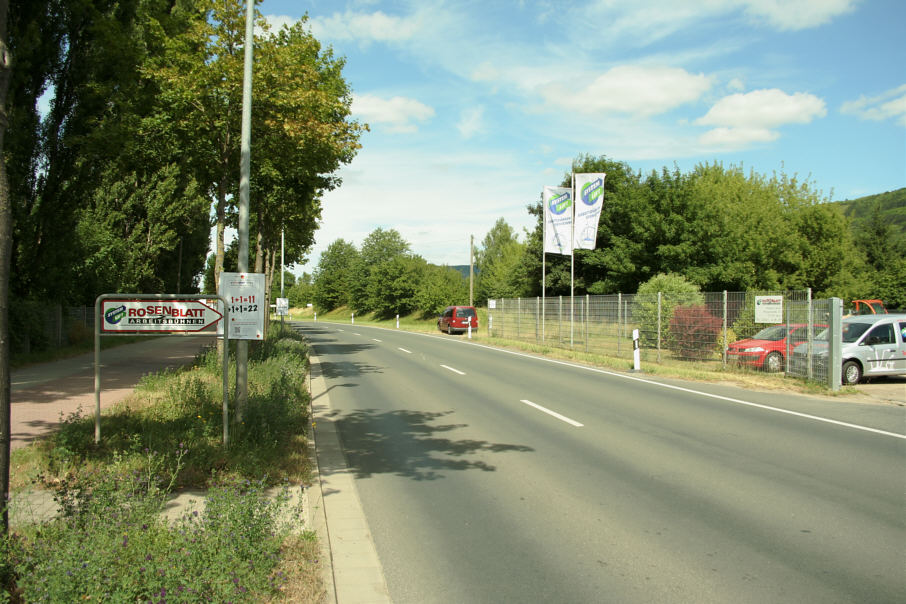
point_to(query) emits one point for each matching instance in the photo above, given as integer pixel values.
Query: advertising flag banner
(590, 200)
(558, 219)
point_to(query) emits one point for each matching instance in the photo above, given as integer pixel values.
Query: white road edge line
(406, 351)
(453, 370)
(552, 413)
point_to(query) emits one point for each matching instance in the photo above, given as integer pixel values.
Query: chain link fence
(713, 328)
(35, 326)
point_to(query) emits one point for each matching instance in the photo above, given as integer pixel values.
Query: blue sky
(474, 106)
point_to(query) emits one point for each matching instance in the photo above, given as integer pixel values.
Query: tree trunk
(6, 237)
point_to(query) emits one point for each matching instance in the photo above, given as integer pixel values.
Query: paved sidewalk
(43, 394)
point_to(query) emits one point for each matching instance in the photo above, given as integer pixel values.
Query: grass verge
(111, 543)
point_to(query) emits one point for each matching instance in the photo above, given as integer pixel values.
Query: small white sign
(244, 293)
(282, 307)
(769, 309)
(492, 304)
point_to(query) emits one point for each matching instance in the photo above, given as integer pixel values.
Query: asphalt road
(489, 476)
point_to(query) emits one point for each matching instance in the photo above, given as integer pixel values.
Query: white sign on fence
(244, 293)
(163, 316)
(769, 309)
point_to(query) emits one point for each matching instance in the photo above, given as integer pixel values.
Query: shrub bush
(675, 290)
(694, 332)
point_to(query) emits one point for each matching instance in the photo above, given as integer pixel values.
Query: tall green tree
(440, 286)
(393, 285)
(497, 259)
(302, 133)
(199, 75)
(332, 277)
(5, 248)
(379, 247)
(134, 238)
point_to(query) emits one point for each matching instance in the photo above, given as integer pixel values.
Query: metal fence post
(518, 317)
(587, 303)
(659, 327)
(835, 345)
(619, 320)
(560, 322)
(811, 335)
(724, 351)
(537, 307)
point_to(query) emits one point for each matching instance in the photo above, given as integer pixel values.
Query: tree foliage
(332, 277)
(717, 226)
(497, 260)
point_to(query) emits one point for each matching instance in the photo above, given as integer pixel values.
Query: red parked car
(457, 319)
(768, 348)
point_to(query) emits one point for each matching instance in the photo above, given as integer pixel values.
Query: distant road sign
(160, 316)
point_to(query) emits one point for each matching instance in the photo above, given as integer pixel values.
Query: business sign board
(769, 309)
(244, 293)
(158, 316)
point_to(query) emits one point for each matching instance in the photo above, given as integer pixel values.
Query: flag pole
(572, 262)
(543, 265)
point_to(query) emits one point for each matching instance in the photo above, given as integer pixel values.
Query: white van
(872, 345)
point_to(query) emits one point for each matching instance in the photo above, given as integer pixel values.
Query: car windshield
(851, 332)
(774, 332)
(854, 331)
(465, 312)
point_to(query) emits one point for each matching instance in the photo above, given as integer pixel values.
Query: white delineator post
(353, 319)
(636, 353)
(470, 328)
(397, 321)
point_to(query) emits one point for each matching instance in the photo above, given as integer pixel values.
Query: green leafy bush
(675, 290)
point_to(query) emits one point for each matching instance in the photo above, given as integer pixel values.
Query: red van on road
(457, 319)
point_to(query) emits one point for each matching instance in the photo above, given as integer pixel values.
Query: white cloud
(736, 85)
(644, 22)
(888, 105)
(366, 27)
(754, 116)
(398, 113)
(793, 15)
(632, 89)
(768, 108)
(471, 122)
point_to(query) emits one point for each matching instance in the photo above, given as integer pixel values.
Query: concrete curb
(357, 575)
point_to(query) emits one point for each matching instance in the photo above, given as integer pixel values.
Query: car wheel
(773, 362)
(852, 373)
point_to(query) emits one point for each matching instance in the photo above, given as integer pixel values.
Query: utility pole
(242, 346)
(471, 270)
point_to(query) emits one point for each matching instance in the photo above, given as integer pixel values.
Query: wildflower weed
(111, 542)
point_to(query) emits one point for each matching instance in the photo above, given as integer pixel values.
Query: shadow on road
(409, 443)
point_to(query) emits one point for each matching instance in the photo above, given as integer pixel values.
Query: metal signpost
(155, 315)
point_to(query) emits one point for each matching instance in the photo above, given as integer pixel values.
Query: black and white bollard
(636, 352)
